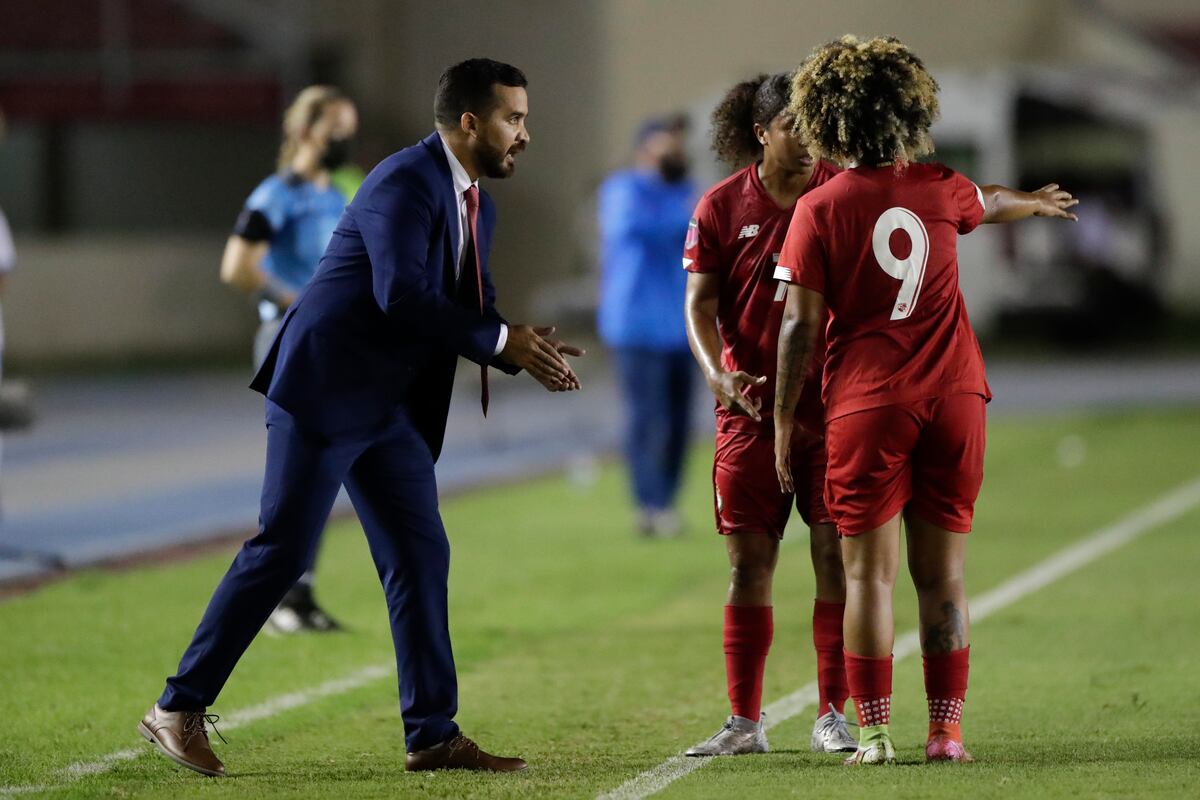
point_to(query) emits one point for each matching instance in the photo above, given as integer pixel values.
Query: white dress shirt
(462, 182)
(8, 255)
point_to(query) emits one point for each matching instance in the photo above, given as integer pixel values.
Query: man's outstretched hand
(529, 348)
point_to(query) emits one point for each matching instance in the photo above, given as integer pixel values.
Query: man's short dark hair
(467, 86)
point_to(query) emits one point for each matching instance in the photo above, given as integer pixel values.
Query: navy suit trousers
(389, 476)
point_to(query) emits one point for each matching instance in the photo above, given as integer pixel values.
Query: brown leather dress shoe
(460, 753)
(182, 737)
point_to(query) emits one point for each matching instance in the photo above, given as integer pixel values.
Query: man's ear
(468, 123)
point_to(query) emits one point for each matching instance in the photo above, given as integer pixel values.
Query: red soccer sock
(946, 690)
(831, 660)
(870, 682)
(748, 634)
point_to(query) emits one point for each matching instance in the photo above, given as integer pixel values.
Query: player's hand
(542, 359)
(1054, 202)
(783, 454)
(730, 391)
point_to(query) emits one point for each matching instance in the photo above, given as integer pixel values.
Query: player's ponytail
(304, 111)
(733, 137)
(759, 101)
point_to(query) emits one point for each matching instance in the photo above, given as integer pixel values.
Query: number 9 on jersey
(909, 271)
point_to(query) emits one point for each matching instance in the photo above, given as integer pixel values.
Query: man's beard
(491, 159)
(673, 168)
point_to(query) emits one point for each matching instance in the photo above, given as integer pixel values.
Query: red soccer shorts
(746, 490)
(926, 456)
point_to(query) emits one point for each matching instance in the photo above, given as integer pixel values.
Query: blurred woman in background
(276, 244)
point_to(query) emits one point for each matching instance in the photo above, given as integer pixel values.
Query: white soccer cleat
(737, 737)
(875, 748)
(831, 734)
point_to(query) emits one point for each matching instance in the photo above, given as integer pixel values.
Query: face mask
(673, 169)
(337, 153)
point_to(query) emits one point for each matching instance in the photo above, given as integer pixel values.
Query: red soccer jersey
(882, 248)
(737, 232)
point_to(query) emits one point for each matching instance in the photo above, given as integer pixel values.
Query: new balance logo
(748, 231)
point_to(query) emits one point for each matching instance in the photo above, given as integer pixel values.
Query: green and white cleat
(830, 734)
(737, 737)
(874, 747)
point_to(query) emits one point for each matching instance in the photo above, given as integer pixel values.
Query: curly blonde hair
(868, 102)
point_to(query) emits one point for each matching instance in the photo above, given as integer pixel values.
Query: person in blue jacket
(274, 249)
(643, 215)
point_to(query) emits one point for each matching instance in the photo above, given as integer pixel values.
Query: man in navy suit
(358, 385)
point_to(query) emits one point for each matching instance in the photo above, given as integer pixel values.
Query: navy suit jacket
(383, 321)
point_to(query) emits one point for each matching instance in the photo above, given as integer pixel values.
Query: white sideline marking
(1096, 544)
(268, 708)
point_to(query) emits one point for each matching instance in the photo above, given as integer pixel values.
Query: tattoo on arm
(947, 635)
(795, 351)
(803, 312)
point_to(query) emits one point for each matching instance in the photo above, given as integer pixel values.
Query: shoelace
(459, 742)
(728, 726)
(195, 724)
(834, 717)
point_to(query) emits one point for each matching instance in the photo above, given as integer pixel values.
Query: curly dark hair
(760, 100)
(867, 102)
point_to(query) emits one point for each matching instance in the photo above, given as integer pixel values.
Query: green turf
(596, 655)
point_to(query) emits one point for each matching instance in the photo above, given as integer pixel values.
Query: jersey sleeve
(803, 260)
(700, 247)
(271, 201)
(969, 202)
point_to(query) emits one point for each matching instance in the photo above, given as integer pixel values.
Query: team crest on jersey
(748, 231)
(693, 235)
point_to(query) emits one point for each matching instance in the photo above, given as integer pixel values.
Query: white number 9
(909, 271)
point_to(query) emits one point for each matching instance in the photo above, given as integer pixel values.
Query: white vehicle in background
(1081, 284)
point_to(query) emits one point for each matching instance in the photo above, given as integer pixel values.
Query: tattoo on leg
(947, 635)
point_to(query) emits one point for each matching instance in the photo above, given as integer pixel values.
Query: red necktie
(472, 198)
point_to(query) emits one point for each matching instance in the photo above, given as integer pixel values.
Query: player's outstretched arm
(1002, 204)
(700, 313)
(803, 311)
(528, 348)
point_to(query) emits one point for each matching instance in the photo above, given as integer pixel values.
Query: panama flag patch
(693, 235)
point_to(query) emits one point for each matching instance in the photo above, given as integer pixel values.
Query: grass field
(596, 656)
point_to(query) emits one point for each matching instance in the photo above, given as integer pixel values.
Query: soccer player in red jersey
(733, 312)
(904, 385)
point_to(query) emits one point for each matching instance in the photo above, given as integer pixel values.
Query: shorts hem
(724, 530)
(825, 520)
(952, 524)
(875, 521)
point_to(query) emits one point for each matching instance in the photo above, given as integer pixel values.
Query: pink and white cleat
(946, 748)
